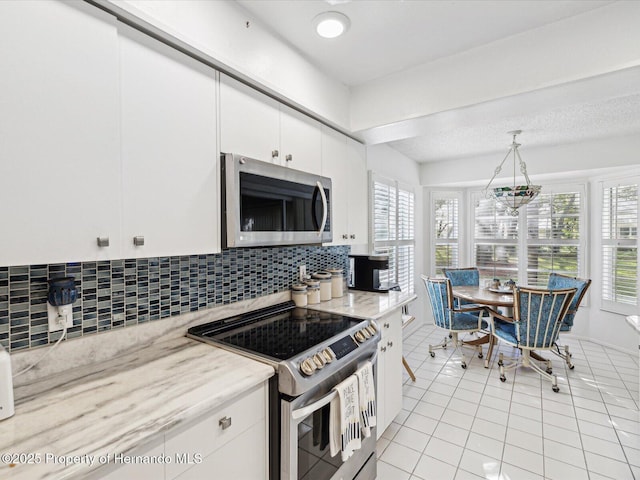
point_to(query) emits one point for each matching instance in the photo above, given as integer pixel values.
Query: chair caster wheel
(549, 371)
(432, 354)
(480, 355)
(571, 367)
(555, 389)
(500, 363)
(463, 365)
(503, 378)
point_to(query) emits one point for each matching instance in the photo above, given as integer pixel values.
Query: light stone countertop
(634, 321)
(118, 405)
(361, 304)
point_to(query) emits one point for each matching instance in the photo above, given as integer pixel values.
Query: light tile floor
(468, 425)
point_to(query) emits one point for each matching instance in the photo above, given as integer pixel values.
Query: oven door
(305, 453)
(267, 204)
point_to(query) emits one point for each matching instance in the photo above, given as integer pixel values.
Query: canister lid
(299, 287)
(312, 283)
(334, 271)
(321, 275)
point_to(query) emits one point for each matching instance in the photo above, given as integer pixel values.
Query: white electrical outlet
(303, 272)
(58, 315)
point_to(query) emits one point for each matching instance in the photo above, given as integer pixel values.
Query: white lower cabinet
(231, 442)
(232, 439)
(389, 387)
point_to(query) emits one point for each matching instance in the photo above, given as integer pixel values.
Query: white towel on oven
(367, 398)
(344, 421)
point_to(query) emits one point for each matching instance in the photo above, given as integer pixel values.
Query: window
(547, 236)
(393, 230)
(495, 240)
(553, 236)
(446, 229)
(620, 247)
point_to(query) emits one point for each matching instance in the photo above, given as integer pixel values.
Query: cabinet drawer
(207, 434)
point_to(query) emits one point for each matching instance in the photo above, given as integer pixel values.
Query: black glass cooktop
(280, 332)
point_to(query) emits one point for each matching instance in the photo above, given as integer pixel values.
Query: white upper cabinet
(358, 193)
(249, 122)
(59, 135)
(344, 161)
(169, 151)
(300, 141)
(257, 126)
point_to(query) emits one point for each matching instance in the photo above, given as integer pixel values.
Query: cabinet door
(244, 458)
(301, 140)
(169, 154)
(334, 166)
(358, 193)
(210, 433)
(249, 121)
(389, 387)
(59, 135)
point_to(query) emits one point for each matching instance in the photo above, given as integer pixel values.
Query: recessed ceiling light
(331, 24)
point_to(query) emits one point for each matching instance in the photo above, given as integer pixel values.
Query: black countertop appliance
(365, 272)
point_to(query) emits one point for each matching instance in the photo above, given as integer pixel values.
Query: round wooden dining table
(484, 296)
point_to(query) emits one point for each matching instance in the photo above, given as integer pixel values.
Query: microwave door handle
(304, 412)
(324, 207)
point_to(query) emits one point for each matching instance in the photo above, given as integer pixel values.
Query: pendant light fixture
(517, 195)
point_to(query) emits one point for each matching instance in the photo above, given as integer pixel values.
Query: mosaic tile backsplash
(121, 293)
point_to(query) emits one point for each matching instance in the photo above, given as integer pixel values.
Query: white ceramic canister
(337, 281)
(299, 295)
(325, 285)
(313, 292)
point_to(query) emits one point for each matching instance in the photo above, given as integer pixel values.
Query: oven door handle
(317, 405)
(304, 412)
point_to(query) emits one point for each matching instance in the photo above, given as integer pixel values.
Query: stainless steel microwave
(265, 204)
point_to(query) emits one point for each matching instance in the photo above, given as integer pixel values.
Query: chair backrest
(440, 296)
(558, 281)
(539, 313)
(462, 276)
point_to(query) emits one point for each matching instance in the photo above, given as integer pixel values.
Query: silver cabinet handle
(275, 153)
(386, 325)
(138, 241)
(103, 241)
(352, 236)
(384, 349)
(288, 158)
(225, 422)
(345, 236)
(390, 344)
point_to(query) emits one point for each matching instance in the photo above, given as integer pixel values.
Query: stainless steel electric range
(311, 351)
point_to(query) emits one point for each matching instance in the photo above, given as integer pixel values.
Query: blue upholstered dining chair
(536, 323)
(558, 281)
(468, 276)
(455, 320)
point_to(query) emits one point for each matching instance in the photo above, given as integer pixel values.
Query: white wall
(388, 162)
(217, 29)
(590, 163)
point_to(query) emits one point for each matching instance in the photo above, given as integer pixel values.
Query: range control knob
(373, 326)
(371, 330)
(307, 367)
(360, 338)
(318, 360)
(328, 355)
